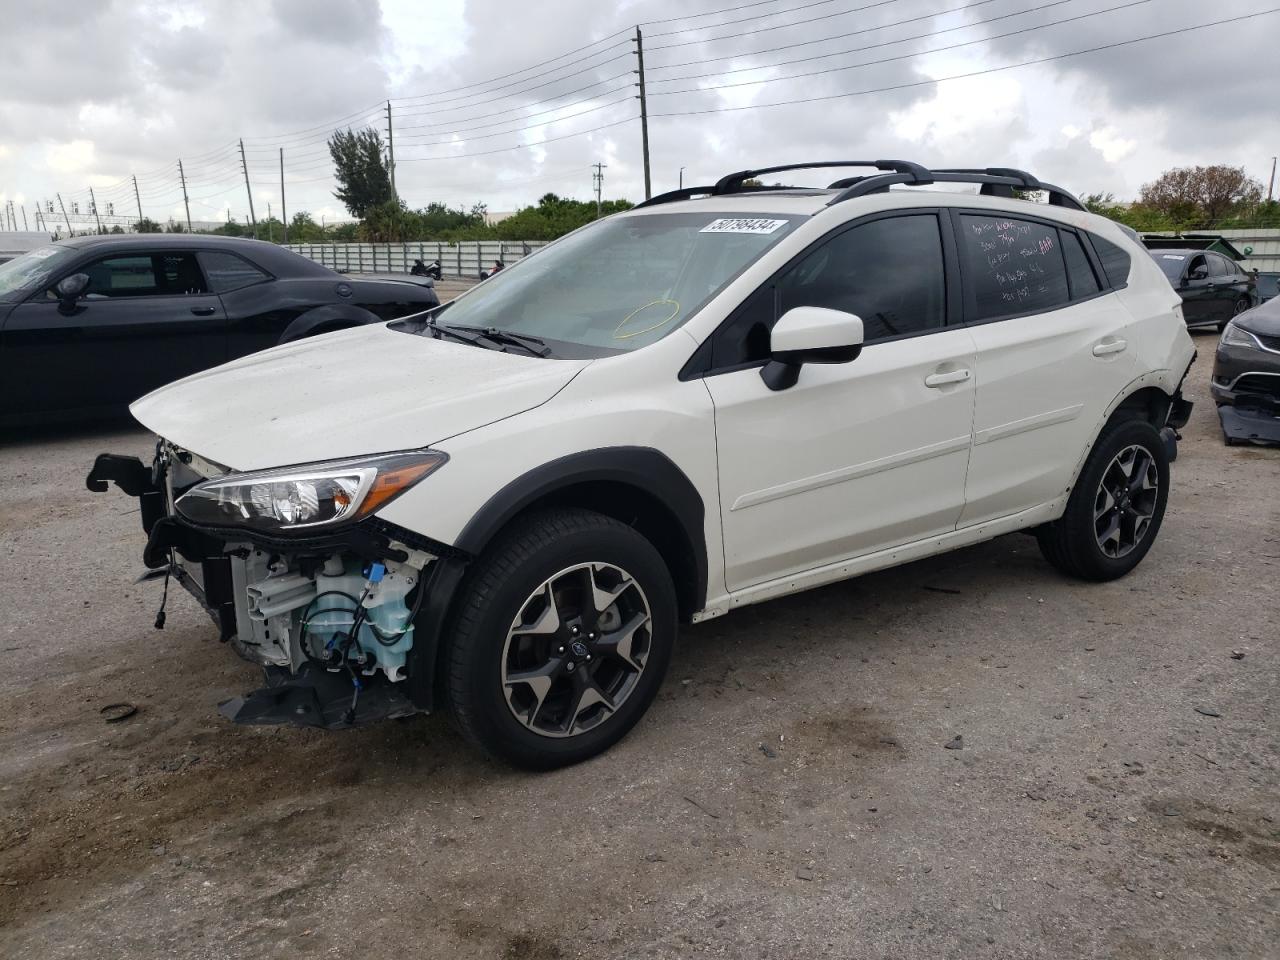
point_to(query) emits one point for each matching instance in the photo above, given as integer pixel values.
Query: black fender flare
(331, 315)
(647, 470)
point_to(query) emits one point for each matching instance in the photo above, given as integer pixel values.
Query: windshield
(620, 284)
(1170, 263)
(32, 269)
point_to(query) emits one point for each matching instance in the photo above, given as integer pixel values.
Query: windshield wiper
(440, 330)
(534, 345)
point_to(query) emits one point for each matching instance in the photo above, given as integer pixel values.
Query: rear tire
(1115, 510)
(552, 601)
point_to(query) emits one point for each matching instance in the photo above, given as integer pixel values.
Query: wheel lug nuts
(561, 650)
(588, 656)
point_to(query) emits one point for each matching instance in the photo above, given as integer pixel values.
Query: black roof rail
(994, 181)
(733, 182)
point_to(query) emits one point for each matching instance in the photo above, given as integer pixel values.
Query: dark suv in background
(1213, 288)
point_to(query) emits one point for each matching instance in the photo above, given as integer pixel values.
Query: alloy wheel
(1126, 501)
(576, 649)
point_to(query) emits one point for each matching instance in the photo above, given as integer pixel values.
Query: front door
(145, 320)
(855, 457)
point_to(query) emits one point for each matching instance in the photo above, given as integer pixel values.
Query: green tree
(364, 180)
(147, 225)
(304, 229)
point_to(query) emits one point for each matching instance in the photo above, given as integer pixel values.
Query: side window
(1222, 267)
(227, 272)
(1079, 270)
(133, 276)
(889, 272)
(1012, 267)
(1115, 261)
(144, 275)
(1198, 269)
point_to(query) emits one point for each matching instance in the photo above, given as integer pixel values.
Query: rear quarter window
(227, 272)
(1115, 260)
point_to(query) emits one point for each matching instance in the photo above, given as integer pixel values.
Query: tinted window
(1079, 271)
(1012, 267)
(1222, 267)
(144, 275)
(889, 272)
(1171, 264)
(1115, 261)
(227, 272)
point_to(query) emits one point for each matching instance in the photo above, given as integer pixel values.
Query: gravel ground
(789, 795)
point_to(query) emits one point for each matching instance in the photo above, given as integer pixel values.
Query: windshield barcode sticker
(1171, 256)
(743, 226)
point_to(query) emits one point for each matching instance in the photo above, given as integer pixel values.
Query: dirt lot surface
(789, 795)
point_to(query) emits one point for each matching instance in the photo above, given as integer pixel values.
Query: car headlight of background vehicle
(1238, 337)
(308, 496)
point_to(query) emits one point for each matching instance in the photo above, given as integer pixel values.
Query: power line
(526, 146)
(883, 60)
(785, 26)
(841, 36)
(972, 73)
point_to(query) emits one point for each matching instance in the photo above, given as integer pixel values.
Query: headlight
(307, 496)
(1237, 337)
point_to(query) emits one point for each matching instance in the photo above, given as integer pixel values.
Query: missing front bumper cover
(318, 698)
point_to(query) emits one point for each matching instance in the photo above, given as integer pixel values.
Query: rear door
(1052, 353)
(146, 318)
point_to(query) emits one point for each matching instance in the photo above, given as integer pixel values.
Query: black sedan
(1246, 375)
(1213, 288)
(90, 324)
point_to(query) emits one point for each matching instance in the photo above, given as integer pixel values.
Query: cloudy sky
(499, 101)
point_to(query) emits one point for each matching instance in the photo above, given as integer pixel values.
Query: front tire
(560, 640)
(1115, 510)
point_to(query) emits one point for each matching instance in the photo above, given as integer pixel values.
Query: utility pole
(1272, 186)
(93, 202)
(682, 178)
(391, 153)
(24, 216)
(64, 214)
(644, 111)
(597, 178)
(182, 175)
(268, 221)
(137, 198)
(284, 212)
(249, 190)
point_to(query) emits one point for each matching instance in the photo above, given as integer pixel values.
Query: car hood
(1264, 319)
(351, 393)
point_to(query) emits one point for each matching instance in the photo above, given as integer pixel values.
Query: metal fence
(463, 260)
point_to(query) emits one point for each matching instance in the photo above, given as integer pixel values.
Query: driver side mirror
(810, 335)
(70, 288)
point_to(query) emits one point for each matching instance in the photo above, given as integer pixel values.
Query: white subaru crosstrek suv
(507, 504)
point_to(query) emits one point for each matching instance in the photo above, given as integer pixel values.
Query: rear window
(1115, 261)
(1012, 266)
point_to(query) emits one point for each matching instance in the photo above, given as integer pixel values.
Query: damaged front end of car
(340, 608)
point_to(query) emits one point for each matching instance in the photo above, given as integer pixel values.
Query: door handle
(1109, 346)
(203, 311)
(942, 379)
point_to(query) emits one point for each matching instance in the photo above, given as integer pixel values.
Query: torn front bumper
(261, 590)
